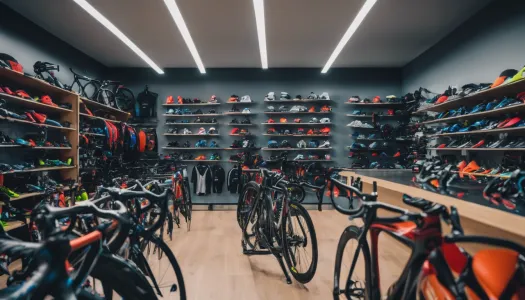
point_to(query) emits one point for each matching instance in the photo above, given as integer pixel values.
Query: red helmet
(170, 100)
(270, 121)
(234, 131)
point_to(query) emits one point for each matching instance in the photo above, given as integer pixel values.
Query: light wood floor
(214, 267)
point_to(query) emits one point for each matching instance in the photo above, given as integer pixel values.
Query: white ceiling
(300, 33)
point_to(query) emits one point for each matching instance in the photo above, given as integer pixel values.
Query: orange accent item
(233, 99)
(471, 167)
(441, 99)
(310, 132)
(142, 141)
(499, 81)
(431, 288)
(85, 240)
(47, 100)
(180, 100)
(325, 108)
(377, 99)
(462, 165)
(283, 120)
(270, 121)
(312, 109)
(398, 154)
(170, 100)
(434, 182)
(494, 268)
(325, 130)
(200, 157)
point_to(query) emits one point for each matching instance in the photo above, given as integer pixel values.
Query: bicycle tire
(244, 208)
(125, 279)
(187, 203)
(296, 210)
(125, 99)
(160, 244)
(351, 233)
(76, 87)
(90, 90)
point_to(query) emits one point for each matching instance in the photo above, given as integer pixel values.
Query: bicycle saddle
(494, 275)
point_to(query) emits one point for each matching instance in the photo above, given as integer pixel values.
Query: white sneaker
(325, 144)
(246, 111)
(325, 96)
(325, 120)
(299, 157)
(294, 108)
(246, 98)
(355, 123)
(366, 125)
(186, 131)
(285, 96)
(270, 96)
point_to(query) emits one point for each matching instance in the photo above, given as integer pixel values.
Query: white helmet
(301, 144)
(325, 120)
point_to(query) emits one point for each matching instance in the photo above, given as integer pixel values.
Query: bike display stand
(271, 251)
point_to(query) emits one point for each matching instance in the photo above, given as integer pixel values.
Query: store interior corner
(169, 149)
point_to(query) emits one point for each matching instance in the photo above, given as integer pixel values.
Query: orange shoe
(200, 157)
(326, 108)
(233, 99)
(180, 100)
(312, 109)
(325, 130)
(170, 100)
(470, 168)
(283, 120)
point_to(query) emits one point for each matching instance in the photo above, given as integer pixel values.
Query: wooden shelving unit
(297, 113)
(238, 114)
(490, 132)
(234, 124)
(120, 116)
(39, 87)
(183, 124)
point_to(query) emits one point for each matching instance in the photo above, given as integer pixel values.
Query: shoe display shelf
(297, 112)
(235, 113)
(184, 124)
(193, 104)
(299, 101)
(298, 135)
(367, 118)
(296, 149)
(59, 96)
(191, 134)
(191, 115)
(477, 149)
(193, 148)
(239, 124)
(297, 124)
(479, 97)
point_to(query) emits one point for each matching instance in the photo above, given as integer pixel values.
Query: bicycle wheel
(90, 90)
(114, 276)
(245, 202)
(76, 87)
(296, 192)
(353, 259)
(125, 100)
(161, 268)
(299, 243)
(188, 205)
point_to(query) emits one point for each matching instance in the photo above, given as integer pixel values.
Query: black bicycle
(44, 71)
(271, 224)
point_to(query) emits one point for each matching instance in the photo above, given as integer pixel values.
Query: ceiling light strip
(179, 21)
(100, 18)
(349, 32)
(258, 6)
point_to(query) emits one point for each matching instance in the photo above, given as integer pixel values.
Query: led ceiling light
(258, 6)
(99, 17)
(179, 21)
(349, 32)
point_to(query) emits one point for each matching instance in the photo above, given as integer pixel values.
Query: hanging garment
(145, 105)
(218, 175)
(233, 179)
(202, 180)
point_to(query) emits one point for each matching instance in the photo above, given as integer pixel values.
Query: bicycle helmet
(271, 109)
(314, 120)
(297, 120)
(270, 121)
(234, 131)
(283, 108)
(273, 144)
(212, 130)
(270, 131)
(313, 144)
(201, 131)
(325, 120)
(300, 131)
(301, 144)
(9, 62)
(283, 120)
(285, 144)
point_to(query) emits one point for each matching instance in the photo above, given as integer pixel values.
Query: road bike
(272, 224)
(182, 204)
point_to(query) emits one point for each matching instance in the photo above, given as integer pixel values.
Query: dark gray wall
(29, 43)
(339, 83)
(477, 51)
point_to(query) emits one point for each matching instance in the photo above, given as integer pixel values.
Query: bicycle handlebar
(125, 194)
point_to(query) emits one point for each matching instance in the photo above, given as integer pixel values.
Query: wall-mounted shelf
(364, 128)
(383, 140)
(35, 84)
(498, 92)
(191, 115)
(191, 134)
(480, 115)
(493, 131)
(238, 114)
(193, 104)
(298, 135)
(244, 149)
(42, 169)
(41, 107)
(192, 148)
(311, 160)
(298, 101)
(297, 113)
(375, 104)
(98, 118)
(240, 103)
(235, 124)
(378, 116)
(182, 124)
(296, 149)
(241, 134)
(36, 124)
(94, 106)
(477, 149)
(298, 124)
(92, 134)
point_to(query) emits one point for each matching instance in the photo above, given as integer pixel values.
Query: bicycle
(182, 204)
(50, 263)
(92, 85)
(42, 68)
(113, 94)
(144, 247)
(271, 224)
